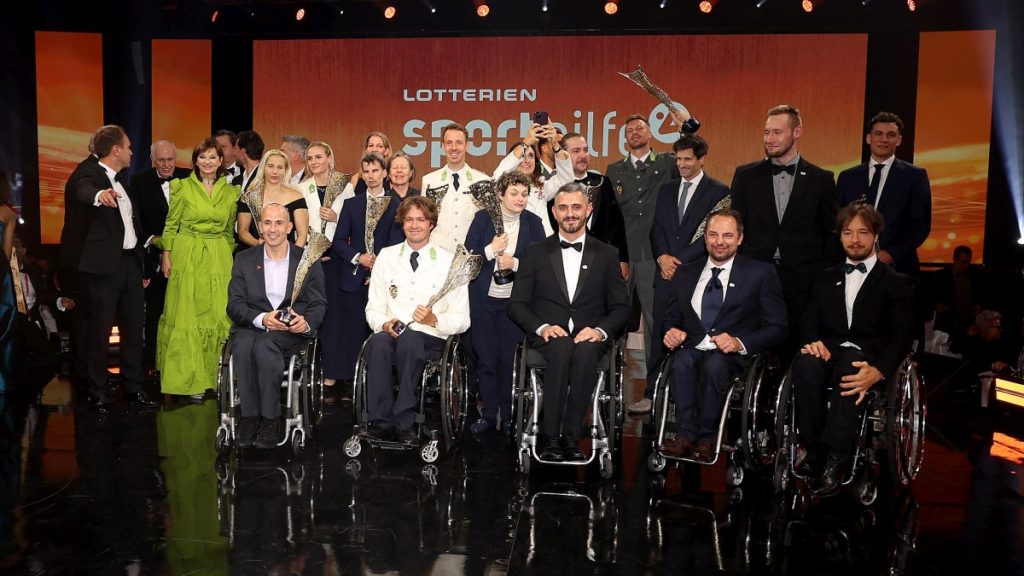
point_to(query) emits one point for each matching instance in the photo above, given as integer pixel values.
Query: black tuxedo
(606, 222)
(540, 296)
(260, 356)
(753, 310)
(806, 237)
(92, 245)
(147, 195)
(882, 329)
(906, 204)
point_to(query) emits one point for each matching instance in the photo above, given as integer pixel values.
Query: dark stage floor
(143, 493)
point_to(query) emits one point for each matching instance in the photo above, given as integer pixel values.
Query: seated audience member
(958, 294)
(986, 346)
(571, 299)
(407, 333)
(855, 330)
(261, 286)
(494, 335)
(721, 309)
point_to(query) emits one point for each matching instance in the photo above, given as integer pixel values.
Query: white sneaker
(642, 406)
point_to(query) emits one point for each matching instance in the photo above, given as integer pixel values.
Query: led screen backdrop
(339, 90)
(182, 77)
(69, 103)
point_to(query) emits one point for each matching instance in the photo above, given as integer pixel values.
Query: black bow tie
(577, 246)
(164, 180)
(779, 168)
(859, 267)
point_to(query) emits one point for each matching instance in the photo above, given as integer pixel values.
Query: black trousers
(117, 295)
(826, 420)
(495, 338)
(700, 380)
(260, 359)
(569, 382)
(156, 292)
(408, 354)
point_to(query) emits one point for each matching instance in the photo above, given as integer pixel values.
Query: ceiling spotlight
(611, 7)
(214, 16)
(429, 6)
(482, 9)
(911, 5)
(807, 5)
(706, 6)
(300, 14)
(389, 12)
(544, 6)
(663, 2)
(761, 3)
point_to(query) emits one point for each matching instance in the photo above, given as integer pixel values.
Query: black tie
(780, 168)
(711, 303)
(455, 181)
(577, 246)
(639, 165)
(876, 180)
(414, 260)
(859, 267)
(164, 180)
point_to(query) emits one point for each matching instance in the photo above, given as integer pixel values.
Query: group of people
(720, 272)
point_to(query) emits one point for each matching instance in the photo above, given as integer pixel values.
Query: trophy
(639, 77)
(316, 245)
(375, 209)
(253, 198)
(485, 194)
(335, 186)
(436, 194)
(465, 266)
(723, 204)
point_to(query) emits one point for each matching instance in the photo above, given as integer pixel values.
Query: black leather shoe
(102, 404)
(571, 451)
(553, 451)
(481, 426)
(269, 434)
(831, 478)
(409, 437)
(245, 432)
(806, 464)
(380, 431)
(143, 400)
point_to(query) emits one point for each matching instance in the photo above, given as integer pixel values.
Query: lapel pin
(584, 266)
(259, 267)
(802, 173)
(840, 283)
(731, 285)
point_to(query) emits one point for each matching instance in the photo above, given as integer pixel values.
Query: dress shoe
(409, 436)
(102, 404)
(704, 450)
(571, 451)
(245, 432)
(269, 434)
(678, 447)
(481, 426)
(142, 399)
(553, 451)
(380, 431)
(641, 406)
(805, 463)
(831, 478)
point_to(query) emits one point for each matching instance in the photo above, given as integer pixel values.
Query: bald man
(149, 191)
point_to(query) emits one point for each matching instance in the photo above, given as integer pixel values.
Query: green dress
(200, 236)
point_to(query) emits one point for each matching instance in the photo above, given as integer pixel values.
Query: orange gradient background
(182, 106)
(69, 104)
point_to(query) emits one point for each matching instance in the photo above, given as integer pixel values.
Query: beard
(570, 227)
(778, 153)
(858, 253)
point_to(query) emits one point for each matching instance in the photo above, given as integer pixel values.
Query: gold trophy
(316, 245)
(436, 194)
(465, 266)
(723, 204)
(335, 186)
(485, 194)
(253, 198)
(639, 77)
(375, 209)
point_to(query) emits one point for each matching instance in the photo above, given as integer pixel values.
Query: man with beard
(855, 331)
(606, 222)
(570, 298)
(789, 206)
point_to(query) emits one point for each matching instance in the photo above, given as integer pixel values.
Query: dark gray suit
(259, 355)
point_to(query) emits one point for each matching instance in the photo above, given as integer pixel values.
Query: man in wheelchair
(262, 278)
(857, 329)
(721, 310)
(407, 333)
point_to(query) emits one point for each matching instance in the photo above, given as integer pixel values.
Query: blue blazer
(349, 240)
(668, 236)
(481, 233)
(753, 311)
(906, 205)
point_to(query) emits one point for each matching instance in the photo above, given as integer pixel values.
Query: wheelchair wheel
(785, 433)
(656, 462)
(606, 465)
(757, 422)
(524, 460)
(353, 447)
(359, 388)
(905, 416)
(313, 373)
(518, 386)
(298, 444)
(221, 443)
(224, 374)
(454, 396)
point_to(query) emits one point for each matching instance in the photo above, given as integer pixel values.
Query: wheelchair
(750, 399)
(444, 383)
(892, 423)
(606, 408)
(302, 386)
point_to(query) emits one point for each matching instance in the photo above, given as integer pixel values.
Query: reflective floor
(144, 493)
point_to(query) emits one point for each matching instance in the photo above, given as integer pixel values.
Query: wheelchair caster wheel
(353, 447)
(221, 443)
(429, 452)
(867, 492)
(734, 475)
(605, 466)
(656, 462)
(735, 496)
(657, 482)
(353, 468)
(429, 474)
(298, 445)
(524, 461)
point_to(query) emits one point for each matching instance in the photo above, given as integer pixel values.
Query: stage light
(807, 5)
(300, 14)
(706, 6)
(663, 2)
(761, 3)
(482, 9)
(214, 16)
(544, 6)
(611, 7)
(389, 12)
(911, 5)
(429, 6)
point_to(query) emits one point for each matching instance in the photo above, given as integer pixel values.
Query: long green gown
(199, 234)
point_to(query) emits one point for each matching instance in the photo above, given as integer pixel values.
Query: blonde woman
(273, 176)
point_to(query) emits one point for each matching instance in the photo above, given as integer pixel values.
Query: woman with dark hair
(197, 243)
(541, 157)
(8, 303)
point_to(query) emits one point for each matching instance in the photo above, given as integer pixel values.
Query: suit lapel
(555, 255)
(261, 278)
(795, 195)
(870, 283)
(737, 280)
(767, 192)
(586, 265)
(689, 284)
(696, 206)
(294, 256)
(891, 183)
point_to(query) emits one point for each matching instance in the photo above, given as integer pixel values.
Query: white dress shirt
(124, 206)
(885, 174)
(458, 206)
(572, 260)
(854, 281)
(698, 294)
(396, 290)
(275, 276)
(691, 192)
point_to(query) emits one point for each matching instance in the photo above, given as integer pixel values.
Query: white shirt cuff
(604, 335)
(96, 198)
(355, 260)
(540, 330)
(488, 253)
(60, 305)
(258, 321)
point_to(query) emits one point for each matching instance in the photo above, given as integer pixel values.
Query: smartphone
(540, 118)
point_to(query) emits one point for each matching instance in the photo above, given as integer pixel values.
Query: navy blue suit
(494, 335)
(754, 310)
(906, 204)
(344, 327)
(670, 236)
